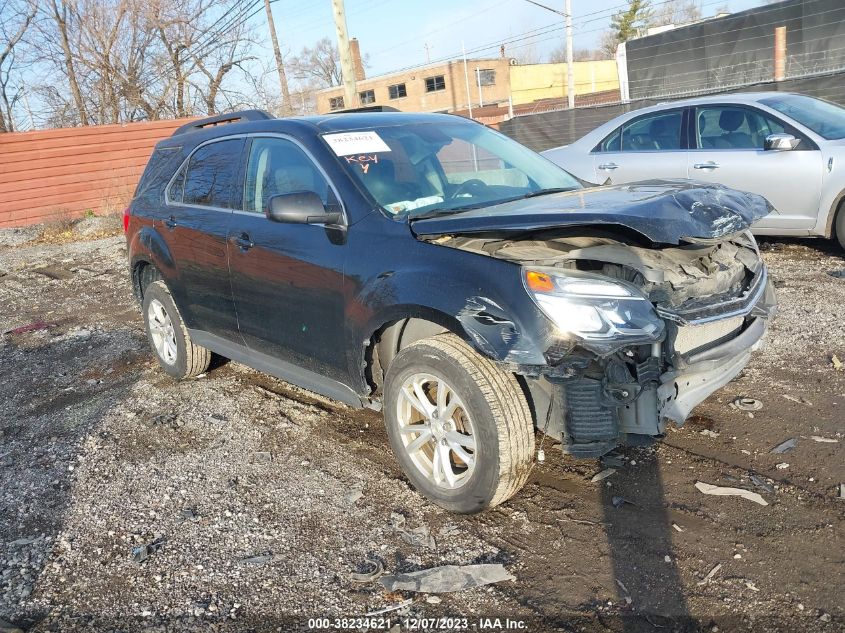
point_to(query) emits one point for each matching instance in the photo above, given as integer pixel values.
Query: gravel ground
(236, 502)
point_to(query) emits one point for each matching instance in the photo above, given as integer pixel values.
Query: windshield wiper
(544, 192)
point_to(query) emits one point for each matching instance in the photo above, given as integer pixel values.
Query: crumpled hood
(664, 211)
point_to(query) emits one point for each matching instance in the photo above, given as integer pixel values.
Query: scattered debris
(839, 274)
(677, 527)
(618, 502)
(584, 521)
(622, 586)
(842, 491)
(355, 493)
(825, 440)
(710, 575)
(837, 364)
(30, 327)
(53, 272)
(613, 460)
(433, 600)
(374, 571)
(447, 579)
(258, 559)
(782, 465)
(667, 559)
(720, 491)
(785, 446)
(448, 530)
(746, 404)
(709, 433)
(607, 472)
(190, 514)
(24, 541)
(418, 537)
(396, 607)
(825, 617)
(751, 585)
(798, 399)
(262, 457)
(762, 484)
(143, 552)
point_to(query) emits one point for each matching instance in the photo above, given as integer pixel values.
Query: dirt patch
(258, 500)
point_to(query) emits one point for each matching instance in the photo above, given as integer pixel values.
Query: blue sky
(394, 32)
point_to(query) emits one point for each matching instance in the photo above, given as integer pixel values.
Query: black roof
(199, 131)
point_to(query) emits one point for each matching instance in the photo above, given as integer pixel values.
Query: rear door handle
(170, 222)
(609, 166)
(707, 165)
(244, 242)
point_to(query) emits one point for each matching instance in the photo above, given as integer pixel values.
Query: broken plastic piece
(447, 579)
(710, 575)
(143, 552)
(374, 573)
(785, 446)
(837, 364)
(607, 472)
(747, 404)
(824, 440)
(720, 491)
(762, 484)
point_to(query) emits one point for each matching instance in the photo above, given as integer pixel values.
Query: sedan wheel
(161, 332)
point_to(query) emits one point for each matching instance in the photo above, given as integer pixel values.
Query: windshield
(426, 169)
(824, 118)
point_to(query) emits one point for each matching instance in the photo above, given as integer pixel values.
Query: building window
(487, 77)
(397, 91)
(367, 96)
(433, 84)
(336, 103)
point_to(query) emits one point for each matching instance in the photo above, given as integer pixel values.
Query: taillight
(126, 220)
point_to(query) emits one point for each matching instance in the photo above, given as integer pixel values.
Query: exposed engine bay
(709, 304)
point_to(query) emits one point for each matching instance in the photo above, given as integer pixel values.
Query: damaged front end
(639, 333)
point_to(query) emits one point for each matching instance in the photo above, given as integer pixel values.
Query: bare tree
(320, 62)
(17, 18)
(62, 17)
(676, 12)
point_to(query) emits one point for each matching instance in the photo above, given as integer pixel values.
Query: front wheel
(459, 425)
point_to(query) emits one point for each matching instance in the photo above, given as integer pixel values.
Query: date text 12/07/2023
(417, 624)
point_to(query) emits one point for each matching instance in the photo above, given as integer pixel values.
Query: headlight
(591, 307)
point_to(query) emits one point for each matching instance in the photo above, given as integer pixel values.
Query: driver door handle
(707, 165)
(244, 242)
(608, 166)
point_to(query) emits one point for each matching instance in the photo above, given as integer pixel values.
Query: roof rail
(376, 108)
(231, 117)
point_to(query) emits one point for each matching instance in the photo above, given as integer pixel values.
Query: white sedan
(790, 148)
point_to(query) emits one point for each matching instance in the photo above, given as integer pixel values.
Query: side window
(611, 143)
(659, 131)
(731, 127)
(278, 166)
(177, 187)
(211, 175)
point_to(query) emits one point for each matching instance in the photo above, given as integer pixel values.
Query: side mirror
(300, 207)
(780, 142)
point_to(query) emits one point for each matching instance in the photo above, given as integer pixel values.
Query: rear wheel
(459, 425)
(839, 228)
(169, 337)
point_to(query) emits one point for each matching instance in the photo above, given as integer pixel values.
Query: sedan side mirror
(300, 207)
(781, 142)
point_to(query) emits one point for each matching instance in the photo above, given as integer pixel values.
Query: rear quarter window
(211, 175)
(158, 170)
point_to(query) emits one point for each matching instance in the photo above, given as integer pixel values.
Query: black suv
(431, 266)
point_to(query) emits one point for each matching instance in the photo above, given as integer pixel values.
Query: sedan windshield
(824, 118)
(426, 169)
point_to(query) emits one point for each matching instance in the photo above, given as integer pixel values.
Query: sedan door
(195, 226)
(729, 149)
(644, 148)
(287, 279)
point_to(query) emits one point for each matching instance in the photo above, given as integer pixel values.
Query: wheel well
(395, 336)
(143, 274)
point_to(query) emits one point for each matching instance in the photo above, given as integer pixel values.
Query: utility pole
(287, 110)
(570, 71)
(350, 98)
(427, 53)
(466, 81)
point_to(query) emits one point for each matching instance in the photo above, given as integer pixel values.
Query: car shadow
(639, 532)
(56, 390)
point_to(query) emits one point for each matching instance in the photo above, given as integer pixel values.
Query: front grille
(697, 338)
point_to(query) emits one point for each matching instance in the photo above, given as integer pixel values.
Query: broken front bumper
(631, 403)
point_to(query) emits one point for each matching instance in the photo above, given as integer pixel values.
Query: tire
(168, 336)
(839, 227)
(487, 438)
